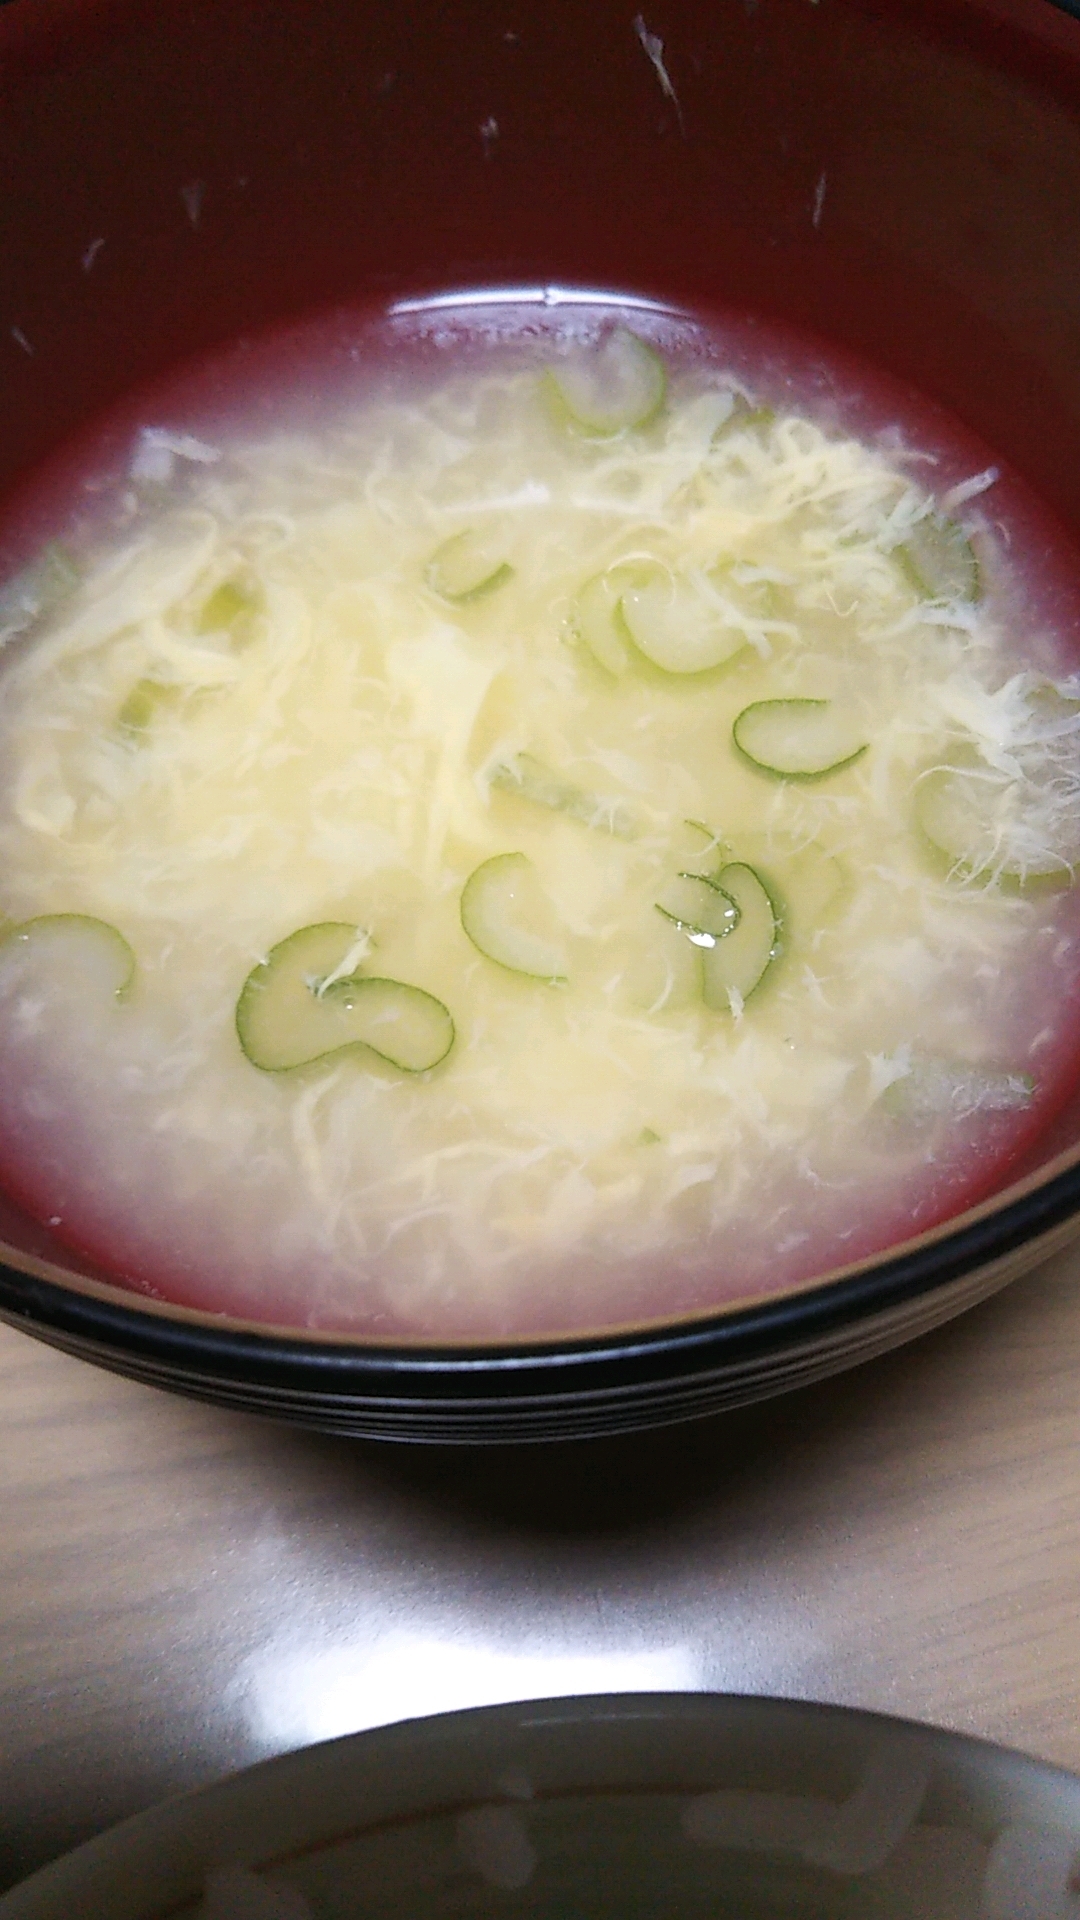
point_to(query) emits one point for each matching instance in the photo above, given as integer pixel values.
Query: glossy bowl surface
(696, 1804)
(902, 178)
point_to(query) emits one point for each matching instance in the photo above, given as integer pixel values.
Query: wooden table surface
(183, 1591)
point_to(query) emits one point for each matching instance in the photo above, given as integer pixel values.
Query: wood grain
(183, 1591)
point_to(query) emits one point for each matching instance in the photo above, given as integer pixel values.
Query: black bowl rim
(337, 1370)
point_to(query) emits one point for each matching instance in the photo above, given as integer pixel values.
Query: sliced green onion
(509, 918)
(951, 1090)
(228, 604)
(676, 626)
(74, 937)
(940, 561)
(798, 739)
(468, 566)
(974, 819)
(698, 848)
(744, 416)
(595, 616)
(296, 1007)
(700, 908)
(147, 699)
(735, 966)
(612, 387)
(531, 780)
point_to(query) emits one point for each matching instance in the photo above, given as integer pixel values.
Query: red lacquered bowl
(901, 178)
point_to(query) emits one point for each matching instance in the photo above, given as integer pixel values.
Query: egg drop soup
(517, 820)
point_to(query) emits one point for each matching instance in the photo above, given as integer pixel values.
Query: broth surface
(414, 652)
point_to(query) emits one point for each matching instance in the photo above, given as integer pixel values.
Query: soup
(571, 823)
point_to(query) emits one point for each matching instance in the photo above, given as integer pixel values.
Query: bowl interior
(903, 180)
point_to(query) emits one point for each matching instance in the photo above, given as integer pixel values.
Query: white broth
(564, 838)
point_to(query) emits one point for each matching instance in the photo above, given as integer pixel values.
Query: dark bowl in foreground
(631, 1804)
(246, 164)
